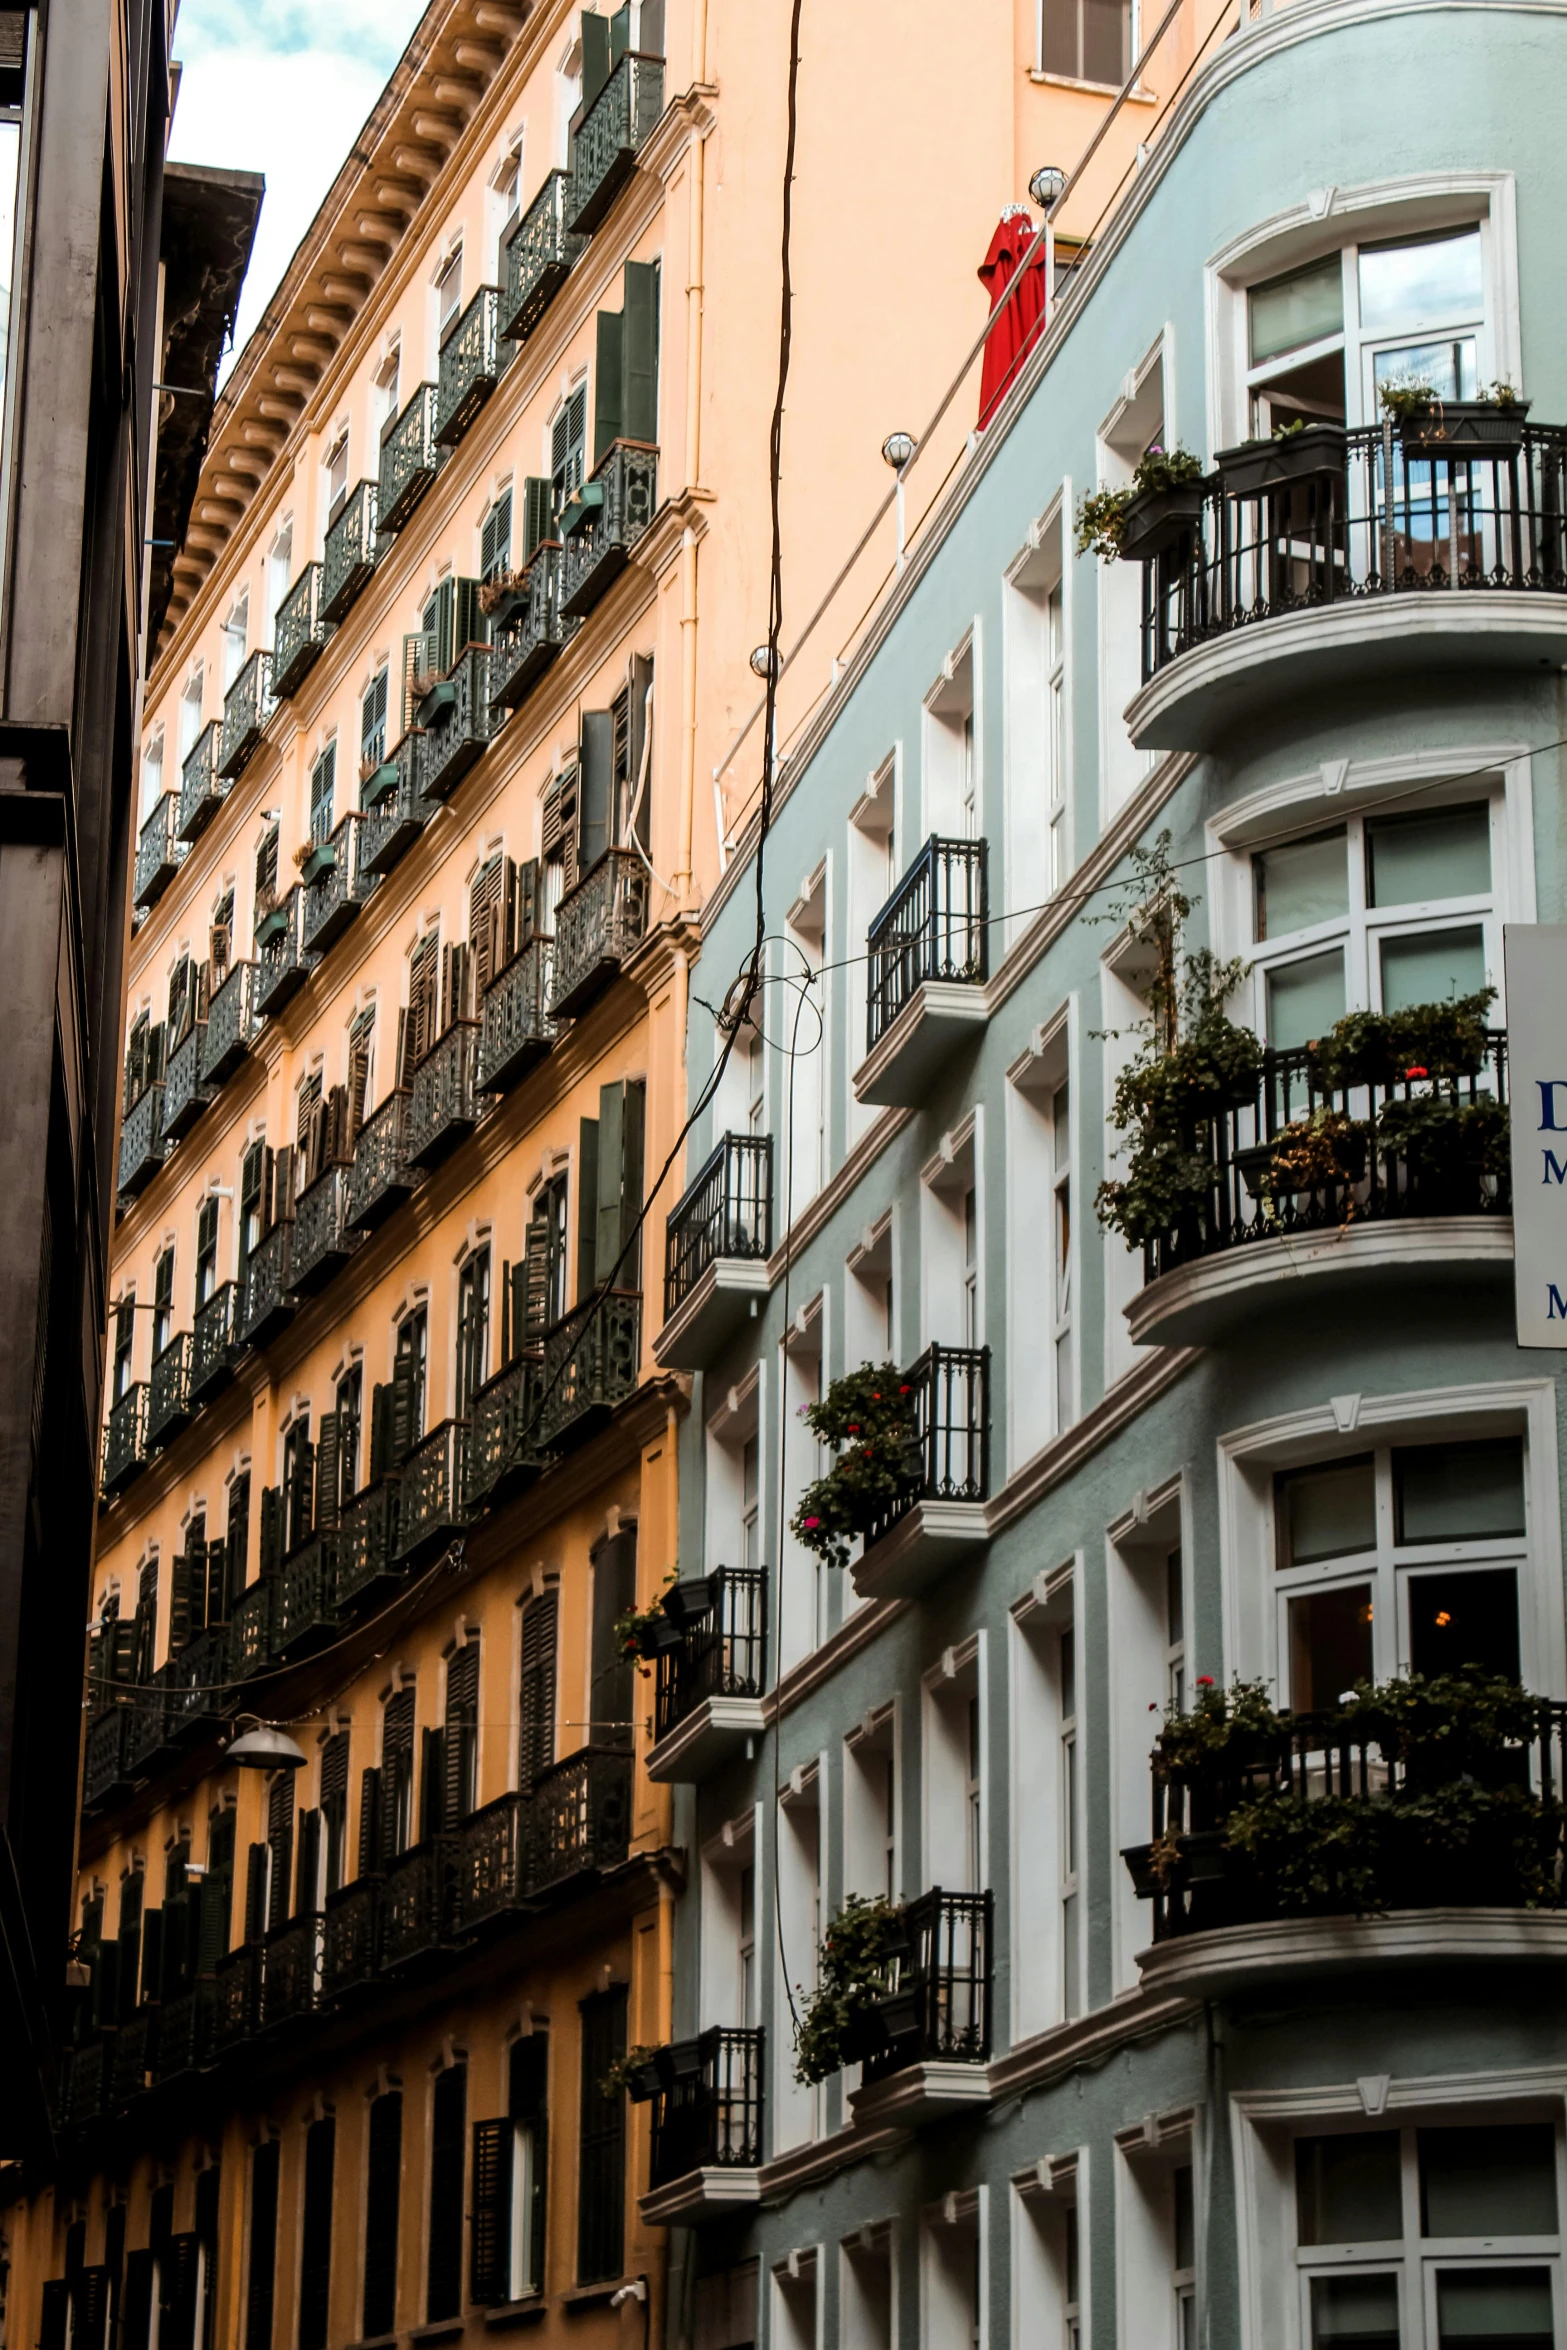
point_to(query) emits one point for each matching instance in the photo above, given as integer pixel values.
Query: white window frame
(1043, 1970)
(1048, 2199)
(1140, 416)
(1036, 754)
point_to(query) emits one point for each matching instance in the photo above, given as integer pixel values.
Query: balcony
(717, 1243)
(168, 1391)
(396, 810)
(1403, 553)
(246, 708)
(291, 1972)
(214, 1349)
(367, 1557)
(202, 790)
(142, 1145)
(299, 637)
(410, 459)
(282, 959)
(198, 1685)
(603, 523)
(305, 1611)
(348, 553)
(515, 1030)
(336, 885)
(708, 1698)
(503, 1449)
(135, 2045)
(185, 1095)
(432, 1504)
(187, 2031)
(232, 1021)
(925, 2047)
(580, 1817)
(382, 1176)
(252, 1629)
(444, 1102)
(707, 2136)
(609, 138)
(468, 369)
(324, 1240)
(351, 1938)
(1282, 1212)
(91, 2072)
(125, 1440)
(149, 1729)
(490, 1870)
(539, 255)
(941, 1513)
(929, 955)
(270, 1303)
(159, 853)
(590, 1365)
(416, 1902)
(104, 1777)
(238, 1997)
(456, 718)
(597, 925)
(537, 631)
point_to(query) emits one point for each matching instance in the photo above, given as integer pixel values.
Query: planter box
(1256, 467)
(1459, 427)
(1159, 520)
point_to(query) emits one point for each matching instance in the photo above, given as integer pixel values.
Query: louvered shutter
(340, 1128)
(489, 2269)
(639, 353)
(369, 1855)
(54, 2314)
(302, 1493)
(595, 57)
(261, 2279)
(448, 2137)
(529, 901)
(329, 1473)
(383, 2196)
(535, 1270)
(179, 1604)
(440, 626)
(608, 389)
(220, 945)
(271, 1529)
(405, 1404)
(413, 647)
(462, 1733)
(315, 2261)
(595, 788)
(529, 2102)
(151, 1955)
(217, 1581)
(381, 1432)
(215, 1895)
(197, 1577)
(90, 2310)
(641, 826)
(627, 1238)
(280, 1844)
(612, 1684)
(487, 901)
(432, 1783)
(178, 2268)
(361, 1043)
(307, 1877)
(136, 2301)
(255, 1892)
(237, 1545)
(536, 1693)
(538, 515)
(611, 1141)
(587, 1206)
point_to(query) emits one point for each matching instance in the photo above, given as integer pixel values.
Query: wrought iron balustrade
(92, 2068)
(324, 1240)
(610, 136)
(708, 2107)
(351, 1937)
(269, 1295)
(722, 1652)
(160, 852)
(149, 1726)
(410, 458)
(103, 1766)
(168, 1391)
(202, 789)
(383, 1175)
(949, 1444)
(416, 1901)
(367, 1540)
(348, 553)
(490, 1867)
(300, 634)
(515, 1029)
(283, 961)
(135, 2051)
(603, 523)
(253, 1629)
(214, 1349)
(537, 631)
(337, 887)
(580, 1816)
(597, 925)
(726, 1211)
(291, 1971)
(232, 1021)
(395, 808)
(539, 255)
(238, 1997)
(187, 2030)
(125, 1439)
(199, 1684)
(457, 723)
(246, 708)
(938, 2005)
(503, 1448)
(933, 927)
(444, 1098)
(143, 1148)
(305, 1609)
(590, 1365)
(432, 1499)
(185, 1094)
(469, 368)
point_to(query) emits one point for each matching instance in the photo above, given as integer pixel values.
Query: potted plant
(839, 2022)
(1379, 1048)
(380, 778)
(1294, 453)
(1455, 1152)
(1161, 507)
(271, 919)
(1324, 1151)
(1429, 426)
(501, 593)
(318, 857)
(867, 1417)
(635, 2075)
(689, 1599)
(642, 1633)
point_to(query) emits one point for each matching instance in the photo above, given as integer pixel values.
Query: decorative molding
(1206, 1966)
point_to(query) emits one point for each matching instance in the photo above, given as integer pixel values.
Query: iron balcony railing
(515, 1029)
(610, 136)
(351, 1937)
(396, 810)
(125, 1439)
(490, 1872)
(603, 523)
(707, 2108)
(91, 2072)
(597, 925)
(539, 255)
(168, 1391)
(185, 1094)
(933, 927)
(160, 852)
(199, 1684)
(202, 789)
(580, 1816)
(432, 1500)
(524, 648)
(382, 1176)
(103, 1769)
(727, 1211)
(187, 2031)
(722, 1650)
(949, 1442)
(938, 2005)
(469, 368)
(456, 715)
(410, 459)
(305, 1609)
(324, 1240)
(590, 1365)
(367, 1554)
(252, 1628)
(282, 959)
(416, 1901)
(142, 1145)
(336, 884)
(238, 2002)
(444, 1100)
(348, 553)
(269, 1298)
(246, 708)
(149, 1727)
(1402, 515)
(503, 1447)
(299, 635)
(214, 1350)
(1258, 1196)
(135, 2048)
(291, 1971)
(232, 1021)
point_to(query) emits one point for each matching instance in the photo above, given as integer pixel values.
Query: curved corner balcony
(348, 554)
(603, 523)
(246, 708)
(1275, 1217)
(940, 1513)
(610, 136)
(1337, 555)
(716, 1246)
(410, 458)
(928, 956)
(539, 256)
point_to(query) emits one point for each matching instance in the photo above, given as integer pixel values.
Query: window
(265, 2164)
(1175, 1632)
(124, 1348)
(495, 539)
(448, 294)
(1445, 2237)
(568, 446)
(386, 397)
(970, 1269)
(1384, 911)
(383, 2197)
(1061, 1251)
(510, 2159)
(750, 1503)
(1406, 1558)
(1322, 339)
(280, 565)
(206, 1250)
(601, 2146)
(372, 724)
(323, 778)
(548, 1295)
(1067, 1834)
(190, 711)
(1086, 40)
(152, 774)
(236, 637)
(951, 781)
(336, 477)
(1059, 858)
(252, 1182)
(315, 2256)
(350, 1414)
(473, 1329)
(162, 1301)
(448, 2148)
(413, 1339)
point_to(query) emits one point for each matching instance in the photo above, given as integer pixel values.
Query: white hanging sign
(1536, 961)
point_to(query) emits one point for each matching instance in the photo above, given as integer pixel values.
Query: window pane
(1347, 2189)
(1104, 41)
(1310, 392)
(1300, 308)
(1494, 2309)
(1304, 999)
(1449, 1492)
(1354, 2313)
(1407, 284)
(1431, 967)
(1445, 853)
(1464, 1619)
(1330, 1645)
(1448, 367)
(1185, 2225)
(1303, 881)
(1327, 1512)
(1489, 2182)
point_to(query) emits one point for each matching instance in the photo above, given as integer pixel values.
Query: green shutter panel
(383, 2195)
(198, 1580)
(489, 2273)
(607, 1242)
(413, 646)
(441, 625)
(595, 57)
(633, 1125)
(271, 1529)
(255, 1892)
(639, 353)
(530, 900)
(595, 788)
(432, 1783)
(308, 1870)
(380, 1432)
(587, 1207)
(179, 1605)
(641, 717)
(489, 541)
(469, 625)
(369, 1822)
(535, 1271)
(608, 386)
(619, 34)
(280, 1845)
(536, 1706)
(538, 515)
(328, 1473)
(405, 1378)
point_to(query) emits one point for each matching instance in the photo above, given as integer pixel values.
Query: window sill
(1066, 81)
(517, 2313)
(592, 2296)
(445, 2329)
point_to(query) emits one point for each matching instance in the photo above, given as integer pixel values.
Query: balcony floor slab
(709, 1735)
(1241, 1958)
(725, 1297)
(940, 1015)
(914, 1551)
(920, 2093)
(701, 2194)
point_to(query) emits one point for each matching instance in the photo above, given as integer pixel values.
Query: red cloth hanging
(1015, 335)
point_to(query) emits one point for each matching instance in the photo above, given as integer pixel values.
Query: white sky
(282, 87)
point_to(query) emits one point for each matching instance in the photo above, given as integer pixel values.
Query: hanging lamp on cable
(264, 1747)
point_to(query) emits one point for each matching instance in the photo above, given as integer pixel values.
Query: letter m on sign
(1556, 1304)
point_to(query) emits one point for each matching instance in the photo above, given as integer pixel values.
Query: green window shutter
(432, 1783)
(538, 515)
(530, 900)
(383, 2195)
(412, 648)
(619, 34)
(608, 383)
(469, 625)
(595, 56)
(307, 1867)
(328, 1473)
(633, 1125)
(607, 1240)
(255, 1892)
(440, 625)
(280, 1845)
(536, 1693)
(380, 1431)
(237, 1544)
(587, 1207)
(489, 2266)
(461, 1733)
(179, 1605)
(264, 2169)
(448, 2147)
(639, 353)
(595, 788)
(271, 1529)
(198, 1578)
(370, 1806)
(535, 1270)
